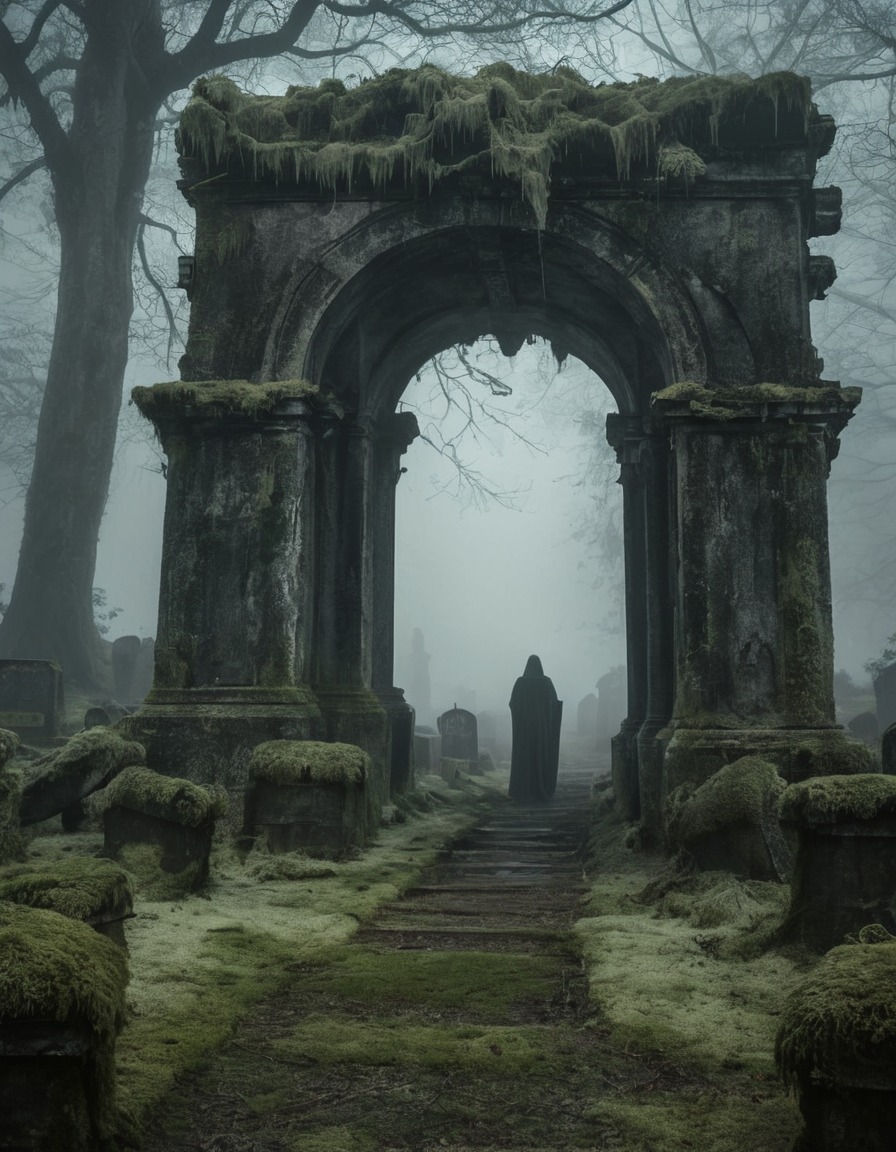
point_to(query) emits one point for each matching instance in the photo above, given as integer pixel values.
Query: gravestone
(32, 703)
(586, 720)
(125, 654)
(885, 696)
(460, 735)
(864, 727)
(612, 702)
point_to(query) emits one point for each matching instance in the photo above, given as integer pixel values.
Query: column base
(354, 716)
(653, 737)
(624, 771)
(207, 735)
(400, 739)
(694, 754)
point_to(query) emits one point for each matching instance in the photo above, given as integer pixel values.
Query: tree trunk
(98, 183)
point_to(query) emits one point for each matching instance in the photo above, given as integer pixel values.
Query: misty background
(508, 516)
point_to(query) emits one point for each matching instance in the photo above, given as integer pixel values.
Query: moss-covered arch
(408, 282)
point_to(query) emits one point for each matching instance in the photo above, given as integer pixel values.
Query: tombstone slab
(32, 701)
(460, 735)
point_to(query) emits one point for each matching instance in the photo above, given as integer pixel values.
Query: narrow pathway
(452, 1023)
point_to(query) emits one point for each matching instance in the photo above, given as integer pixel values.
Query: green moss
(844, 1013)
(153, 882)
(9, 742)
(96, 750)
(79, 888)
(742, 792)
(220, 397)
(12, 843)
(727, 403)
(309, 761)
(829, 799)
(54, 968)
(165, 796)
(418, 127)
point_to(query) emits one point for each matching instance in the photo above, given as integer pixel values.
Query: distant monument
(419, 692)
(612, 702)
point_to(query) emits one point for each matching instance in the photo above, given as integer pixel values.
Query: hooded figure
(535, 712)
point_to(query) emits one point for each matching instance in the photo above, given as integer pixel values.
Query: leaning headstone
(32, 703)
(460, 735)
(586, 720)
(307, 794)
(12, 845)
(844, 875)
(730, 822)
(836, 1046)
(888, 751)
(125, 653)
(160, 828)
(864, 727)
(97, 892)
(885, 697)
(62, 1003)
(85, 763)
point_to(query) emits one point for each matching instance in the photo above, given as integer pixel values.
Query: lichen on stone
(412, 127)
(309, 761)
(844, 1012)
(79, 887)
(829, 799)
(220, 397)
(167, 797)
(742, 792)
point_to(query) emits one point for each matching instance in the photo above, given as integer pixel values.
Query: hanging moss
(844, 1012)
(309, 761)
(220, 397)
(167, 797)
(79, 888)
(418, 127)
(829, 799)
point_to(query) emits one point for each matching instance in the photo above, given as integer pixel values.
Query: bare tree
(90, 79)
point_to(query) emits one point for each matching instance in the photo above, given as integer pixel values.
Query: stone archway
(678, 270)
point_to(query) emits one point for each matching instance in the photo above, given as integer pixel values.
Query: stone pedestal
(754, 640)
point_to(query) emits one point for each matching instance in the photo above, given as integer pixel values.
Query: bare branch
(173, 334)
(25, 88)
(22, 175)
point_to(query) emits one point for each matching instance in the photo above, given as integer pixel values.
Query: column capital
(626, 435)
(824, 405)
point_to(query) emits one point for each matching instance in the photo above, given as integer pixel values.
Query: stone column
(753, 633)
(626, 435)
(235, 603)
(342, 662)
(392, 439)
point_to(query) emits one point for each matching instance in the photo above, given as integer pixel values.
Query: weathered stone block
(32, 702)
(837, 1047)
(84, 764)
(97, 892)
(62, 1003)
(306, 794)
(160, 828)
(844, 874)
(730, 823)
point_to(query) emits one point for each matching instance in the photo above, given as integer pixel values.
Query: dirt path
(458, 1020)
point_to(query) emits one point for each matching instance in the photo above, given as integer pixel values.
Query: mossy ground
(338, 1043)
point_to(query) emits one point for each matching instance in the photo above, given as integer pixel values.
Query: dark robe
(535, 712)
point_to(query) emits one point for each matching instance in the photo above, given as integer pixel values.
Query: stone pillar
(654, 735)
(753, 633)
(236, 597)
(342, 663)
(626, 435)
(391, 441)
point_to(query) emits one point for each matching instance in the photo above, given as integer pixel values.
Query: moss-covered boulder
(97, 892)
(86, 762)
(844, 874)
(836, 1046)
(729, 823)
(160, 829)
(62, 1001)
(307, 794)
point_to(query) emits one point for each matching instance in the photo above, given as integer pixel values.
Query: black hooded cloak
(535, 713)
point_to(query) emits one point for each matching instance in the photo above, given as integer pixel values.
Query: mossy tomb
(414, 129)
(62, 989)
(836, 1046)
(167, 797)
(97, 892)
(837, 799)
(309, 762)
